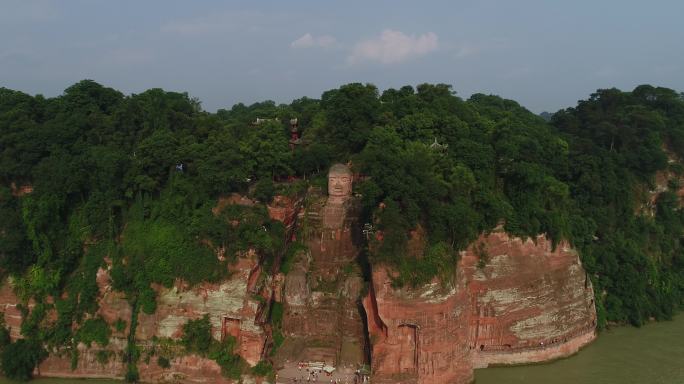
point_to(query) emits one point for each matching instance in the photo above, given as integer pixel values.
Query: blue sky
(544, 54)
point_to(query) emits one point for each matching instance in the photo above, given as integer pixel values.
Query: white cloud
(308, 41)
(393, 47)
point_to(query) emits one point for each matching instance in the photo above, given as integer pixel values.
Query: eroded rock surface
(9, 306)
(512, 302)
(231, 308)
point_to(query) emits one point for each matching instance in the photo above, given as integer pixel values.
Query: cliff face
(417, 336)
(232, 310)
(512, 302)
(9, 306)
(236, 306)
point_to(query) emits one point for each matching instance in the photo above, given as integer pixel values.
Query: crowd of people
(317, 374)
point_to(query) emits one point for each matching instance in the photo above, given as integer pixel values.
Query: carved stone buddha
(339, 194)
(339, 183)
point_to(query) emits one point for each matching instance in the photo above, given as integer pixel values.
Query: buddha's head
(339, 181)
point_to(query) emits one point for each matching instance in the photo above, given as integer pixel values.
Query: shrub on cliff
(163, 362)
(264, 191)
(276, 319)
(264, 369)
(132, 374)
(94, 330)
(5, 338)
(439, 260)
(197, 335)
(232, 365)
(20, 358)
(277, 310)
(294, 250)
(197, 339)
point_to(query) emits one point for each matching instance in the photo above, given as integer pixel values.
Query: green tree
(350, 113)
(197, 335)
(20, 358)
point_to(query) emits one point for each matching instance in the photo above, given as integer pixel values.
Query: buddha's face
(339, 181)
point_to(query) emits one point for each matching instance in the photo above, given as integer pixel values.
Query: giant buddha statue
(322, 321)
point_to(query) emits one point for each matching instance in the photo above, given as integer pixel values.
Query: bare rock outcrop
(232, 310)
(513, 301)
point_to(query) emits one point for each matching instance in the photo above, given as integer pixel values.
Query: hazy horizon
(544, 56)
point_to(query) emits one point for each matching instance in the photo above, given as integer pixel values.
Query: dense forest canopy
(134, 178)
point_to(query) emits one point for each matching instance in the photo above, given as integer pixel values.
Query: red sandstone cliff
(512, 301)
(233, 307)
(523, 303)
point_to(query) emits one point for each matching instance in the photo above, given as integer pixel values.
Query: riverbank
(539, 355)
(652, 354)
(624, 355)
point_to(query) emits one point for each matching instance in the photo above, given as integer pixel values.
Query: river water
(653, 354)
